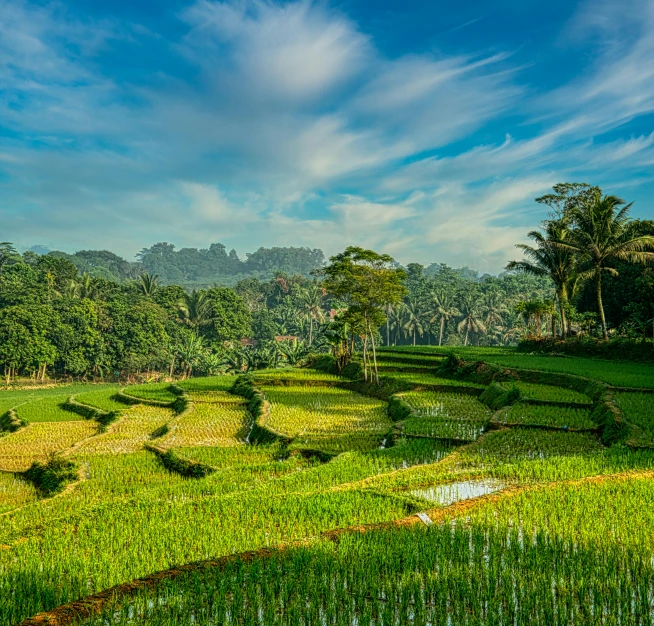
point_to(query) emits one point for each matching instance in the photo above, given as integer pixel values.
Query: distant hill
(196, 268)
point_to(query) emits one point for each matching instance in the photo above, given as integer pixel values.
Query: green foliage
(10, 422)
(181, 466)
(51, 477)
(607, 416)
(398, 408)
(496, 396)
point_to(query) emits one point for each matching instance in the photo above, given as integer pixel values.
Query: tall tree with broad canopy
(369, 281)
(548, 258)
(602, 234)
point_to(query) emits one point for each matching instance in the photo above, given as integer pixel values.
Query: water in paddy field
(456, 492)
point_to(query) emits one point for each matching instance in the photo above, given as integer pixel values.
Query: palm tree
(195, 309)
(471, 320)
(549, 258)
(444, 310)
(148, 284)
(396, 318)
(312, 298)
(494, 309)
(413, 320)
(83, 288)
(603, 233)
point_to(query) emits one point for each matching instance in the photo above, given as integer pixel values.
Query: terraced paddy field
(318, 503)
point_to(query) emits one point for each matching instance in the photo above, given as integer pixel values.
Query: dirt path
(68, 614)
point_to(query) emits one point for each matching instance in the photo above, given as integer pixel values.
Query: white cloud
(288, 106)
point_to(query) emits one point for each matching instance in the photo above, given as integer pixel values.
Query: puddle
(456, 492)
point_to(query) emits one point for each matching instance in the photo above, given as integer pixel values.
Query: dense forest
(193, 268)
(93, 314)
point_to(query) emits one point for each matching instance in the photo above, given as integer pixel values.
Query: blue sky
(423, 129)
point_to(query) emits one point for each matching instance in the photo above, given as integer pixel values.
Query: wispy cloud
(284, 106)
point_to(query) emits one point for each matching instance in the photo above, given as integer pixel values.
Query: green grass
(559, 417)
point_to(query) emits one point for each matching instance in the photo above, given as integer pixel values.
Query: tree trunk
(440, 338)
(563, 302)
(172, 369)
(310, 330)
(388, 331)
(374, 354)
(365, 348)
(600, 306)
(465, 343)
(414, 336)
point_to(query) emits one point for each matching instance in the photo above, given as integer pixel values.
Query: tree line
(58, 321)
(195, 268)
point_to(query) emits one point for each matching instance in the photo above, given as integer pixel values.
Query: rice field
(523, 566)
(420, 378)
(37, 441)
(638, 409)
(530, 525)
(618, 374)
(103, 399)
(457, 417)
(553, 416)
(137, 426)
(46, 410)
(548, 393)
(157, 392)
(216, 418)
(328, 419)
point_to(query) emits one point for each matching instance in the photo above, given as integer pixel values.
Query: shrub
(496, 397)
(10, 422)
(51, 477)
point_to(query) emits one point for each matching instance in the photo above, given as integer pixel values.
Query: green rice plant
(616, 373)
(48, 409)
(543, 415)
(446, 405)
(207, 383)
(15, 492)
(638, 410)
(548, 393)
(130, 432)
(328, 418)
(216, 418)
(232, 456)
(429, 379)
(39, 440)
(544, 559)
(103, 399)
(157, 392)
(439, 428)
(296, 374)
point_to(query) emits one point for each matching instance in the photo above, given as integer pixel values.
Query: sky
(421, 129)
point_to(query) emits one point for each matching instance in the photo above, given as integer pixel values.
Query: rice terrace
(320, 313)
(296, 496)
